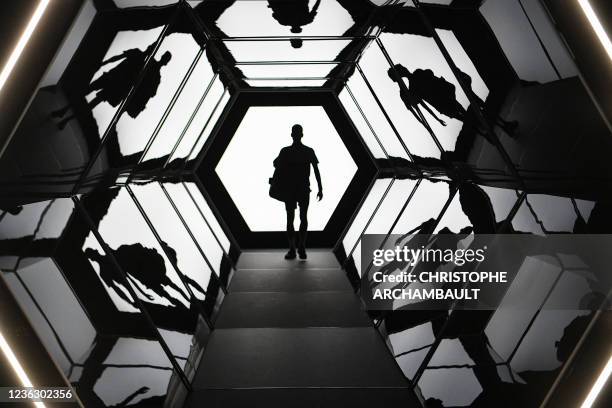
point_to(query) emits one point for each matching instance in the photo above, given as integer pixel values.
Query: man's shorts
(302, 199)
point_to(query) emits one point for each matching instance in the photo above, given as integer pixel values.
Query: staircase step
(278, 309)
(278, 280)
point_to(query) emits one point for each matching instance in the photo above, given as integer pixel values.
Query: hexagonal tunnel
(237, 164)
(141, 252)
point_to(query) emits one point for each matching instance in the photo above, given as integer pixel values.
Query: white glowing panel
(256, 18)
(247, 165)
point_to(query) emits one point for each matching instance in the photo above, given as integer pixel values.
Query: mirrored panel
(543, 214)
(149, 266)
(198, 125)
(182, 113)
(172, 229)
(410, 123)
(282, 18)
(362, 123)
(207, 213)
(205, 133)
(368, 100)
(200, 228)
(55, 285)
(286, 50)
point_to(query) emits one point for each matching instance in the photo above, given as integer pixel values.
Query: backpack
(276, 190)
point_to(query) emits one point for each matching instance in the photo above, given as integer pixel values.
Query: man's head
(297, 133)
(296, 42)
(165, 59)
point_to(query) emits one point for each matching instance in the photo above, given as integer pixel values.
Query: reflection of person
(295, 14)
(114, 85)
(143, 265)
(293, 163)
(427, 90)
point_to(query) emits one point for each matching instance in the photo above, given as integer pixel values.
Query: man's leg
(290, 209)
(303, 226)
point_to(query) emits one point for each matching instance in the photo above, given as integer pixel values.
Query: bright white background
(247, 165)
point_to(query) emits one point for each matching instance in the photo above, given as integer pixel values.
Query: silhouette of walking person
(427, 90)
(109, 274)
(295, 14)
(293, 166)
(144, 265)
(114, 85)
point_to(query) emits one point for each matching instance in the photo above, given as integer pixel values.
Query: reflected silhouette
(143, 265)
(295, 14)
(427, 90)
(292, 180)
(114, 85)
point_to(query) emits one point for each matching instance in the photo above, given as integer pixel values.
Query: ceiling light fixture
(598, 386)
(25, 37)
(597, 27)
(19, 371)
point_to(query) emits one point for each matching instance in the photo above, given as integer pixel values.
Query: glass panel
(361, 122)
(286, 70)
(288, 83)
(285, 18)
(386, 214)
(424, 208)
(528, 39)
(364, 213)
(409, 341)
(203, 137)
(279, 50)
(507, 325)
(197, 224)
(478, 209)
(375, 116)
(36, 224)
(199, 123)
(391, 207)
(83, 331)
(200, 201)
(397, 103)
(166, 222)
(454, 387)
(120, 67)
(54, 311)
(181, 112)
(151, 274)
(169, 67)
(543, 214)
(554, 333)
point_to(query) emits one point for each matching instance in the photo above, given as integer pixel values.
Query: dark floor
(293, 334)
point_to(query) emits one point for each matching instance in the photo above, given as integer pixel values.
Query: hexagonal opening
(246, 164)
(237, 164)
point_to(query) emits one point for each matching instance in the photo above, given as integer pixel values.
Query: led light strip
(25, 37)
(21, 374)
(597, 27)
(598, 386)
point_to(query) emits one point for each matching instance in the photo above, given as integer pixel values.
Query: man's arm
(318, 177)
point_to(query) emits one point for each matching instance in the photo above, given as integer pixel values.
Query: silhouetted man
(114, 85)
(293, 163)
(295, 14)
